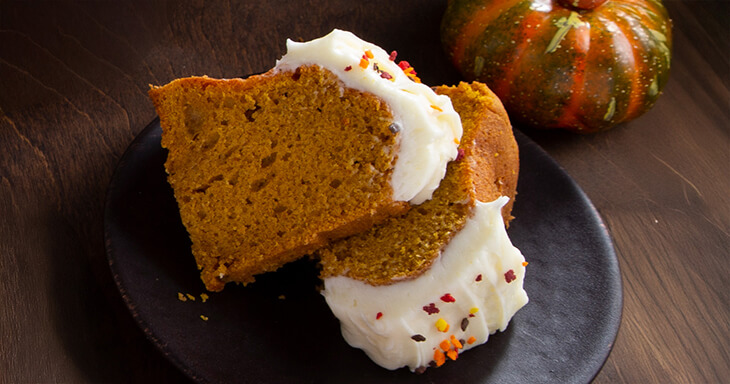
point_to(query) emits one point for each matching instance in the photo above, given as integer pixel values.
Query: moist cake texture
(333, 139)
(264, 171)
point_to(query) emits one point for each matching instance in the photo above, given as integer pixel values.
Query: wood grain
(73, 81)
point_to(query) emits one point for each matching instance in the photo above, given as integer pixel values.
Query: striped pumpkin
(581, 65)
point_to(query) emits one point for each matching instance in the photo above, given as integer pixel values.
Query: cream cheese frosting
(472, 290)
(429, 128)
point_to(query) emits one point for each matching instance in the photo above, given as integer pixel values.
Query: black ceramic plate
(279, 329)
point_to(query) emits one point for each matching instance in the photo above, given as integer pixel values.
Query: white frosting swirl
(430, 129)
(473, 269)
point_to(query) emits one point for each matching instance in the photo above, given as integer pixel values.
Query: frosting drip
(472, 290)
(429, 128)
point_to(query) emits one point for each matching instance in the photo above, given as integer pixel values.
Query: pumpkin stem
(583, 5)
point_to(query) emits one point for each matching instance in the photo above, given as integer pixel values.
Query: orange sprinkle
(471, 340)
(524, 263)
(181, 297)
(369, 54)
(436, 107)
(452, 354)
(409, 71)
(364, 63)
(445, 345)
(439, 357)
(456, 141)
(457, 344)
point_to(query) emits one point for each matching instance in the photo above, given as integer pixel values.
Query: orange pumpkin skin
(560, 66)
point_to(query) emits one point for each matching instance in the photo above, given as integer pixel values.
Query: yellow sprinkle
(191, 297)
(204, 297)
(456, 141)
(205, 318)
(282, 297)
(496, 154)
(442, 325)
(436, 107)
(181, 297)
(473, 310)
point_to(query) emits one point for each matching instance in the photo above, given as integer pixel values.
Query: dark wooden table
(73, 82)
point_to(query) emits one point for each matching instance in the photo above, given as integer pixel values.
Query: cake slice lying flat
(420, 288)
(269, 168)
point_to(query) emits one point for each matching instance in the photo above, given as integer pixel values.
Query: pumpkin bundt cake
(417, 289)
(336, 137)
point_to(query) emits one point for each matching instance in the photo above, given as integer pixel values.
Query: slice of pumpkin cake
(417, 290)
(336, 137)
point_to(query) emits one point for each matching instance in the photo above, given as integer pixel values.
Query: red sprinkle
(348, 68)
(447, 298)
(379, 315)
(479, 278)
(431, 309)
(509, 276)
(404, 65)
(386, 75)
(393, 55)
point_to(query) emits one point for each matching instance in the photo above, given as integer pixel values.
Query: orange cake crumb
(269, 168)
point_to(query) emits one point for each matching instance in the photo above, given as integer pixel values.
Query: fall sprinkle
(431, 309)
(509, 276)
